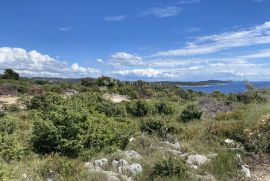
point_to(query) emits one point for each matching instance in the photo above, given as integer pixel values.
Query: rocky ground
(260, 167)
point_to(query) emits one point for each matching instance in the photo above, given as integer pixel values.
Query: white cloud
(123, 59)
(163, 12)
(66, 28)
(116, 18)
(34, 64)
(143, 73)
(100, 61)
(214, 43)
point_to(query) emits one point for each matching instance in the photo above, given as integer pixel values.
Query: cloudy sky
(137, 39)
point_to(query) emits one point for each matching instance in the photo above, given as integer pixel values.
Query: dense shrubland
(58, 126)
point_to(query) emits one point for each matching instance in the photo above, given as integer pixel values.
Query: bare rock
(101, 163)
(134, 169)
(197, 160)
(131, 154)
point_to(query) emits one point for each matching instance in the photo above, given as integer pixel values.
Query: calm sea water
(233, 87)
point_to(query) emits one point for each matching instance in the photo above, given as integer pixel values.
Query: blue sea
(231, 87)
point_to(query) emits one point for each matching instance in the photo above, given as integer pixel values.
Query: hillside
(105, 129)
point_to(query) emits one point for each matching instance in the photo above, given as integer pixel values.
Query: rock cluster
(121, 169)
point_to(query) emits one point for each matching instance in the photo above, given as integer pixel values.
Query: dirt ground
(8, 100)
(116, 98)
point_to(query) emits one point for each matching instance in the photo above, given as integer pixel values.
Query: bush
(157, 126)
(10, 74)
(111, 109)
(11, 150)
(69, 128)
(184, 94)
(44, 100)
(139, 108)
(189, 113)
(7, 125)
(170, 167)
(164, 108)
(11, 108)
(106, 133)
(61, 130)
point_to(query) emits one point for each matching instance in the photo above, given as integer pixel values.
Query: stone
(245, 170)
(24, 177)
(131, 154)
(134, 169)
(197, 160)
(101, 163)
(229, 141)
(206, 177)
(88, 165)
(122, 163)
(175, 145)
(131, 139)
(115, 163)
(111, 176)
(244, 167)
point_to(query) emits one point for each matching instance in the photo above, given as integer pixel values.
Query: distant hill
(178, 83)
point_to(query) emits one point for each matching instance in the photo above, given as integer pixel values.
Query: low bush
(44, 100)
(170, 167)
(62, 130)
(68, 130)
(189, 113)
(164, 108)
(7, 125)
(11, 108)
(11, 150)
(139, 108)
(157, 126)
(107, 133)
(111, 109)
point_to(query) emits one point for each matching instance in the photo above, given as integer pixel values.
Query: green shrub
(107, 133)
(111, 109)
(170, 167)
(189, 113)
(184, 94)
(10, 74)
(7, 125)
(157, 126)
(61, 130)
(164, 108)
(44, 100)
(68, 129)
(139, 108)
(11, 108)
(11, 150)
(152, 126)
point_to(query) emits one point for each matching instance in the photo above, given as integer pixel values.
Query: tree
(10, 74)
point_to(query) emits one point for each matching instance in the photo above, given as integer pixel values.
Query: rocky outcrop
(197, 160)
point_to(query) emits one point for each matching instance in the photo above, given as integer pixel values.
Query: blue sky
(139, 39)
